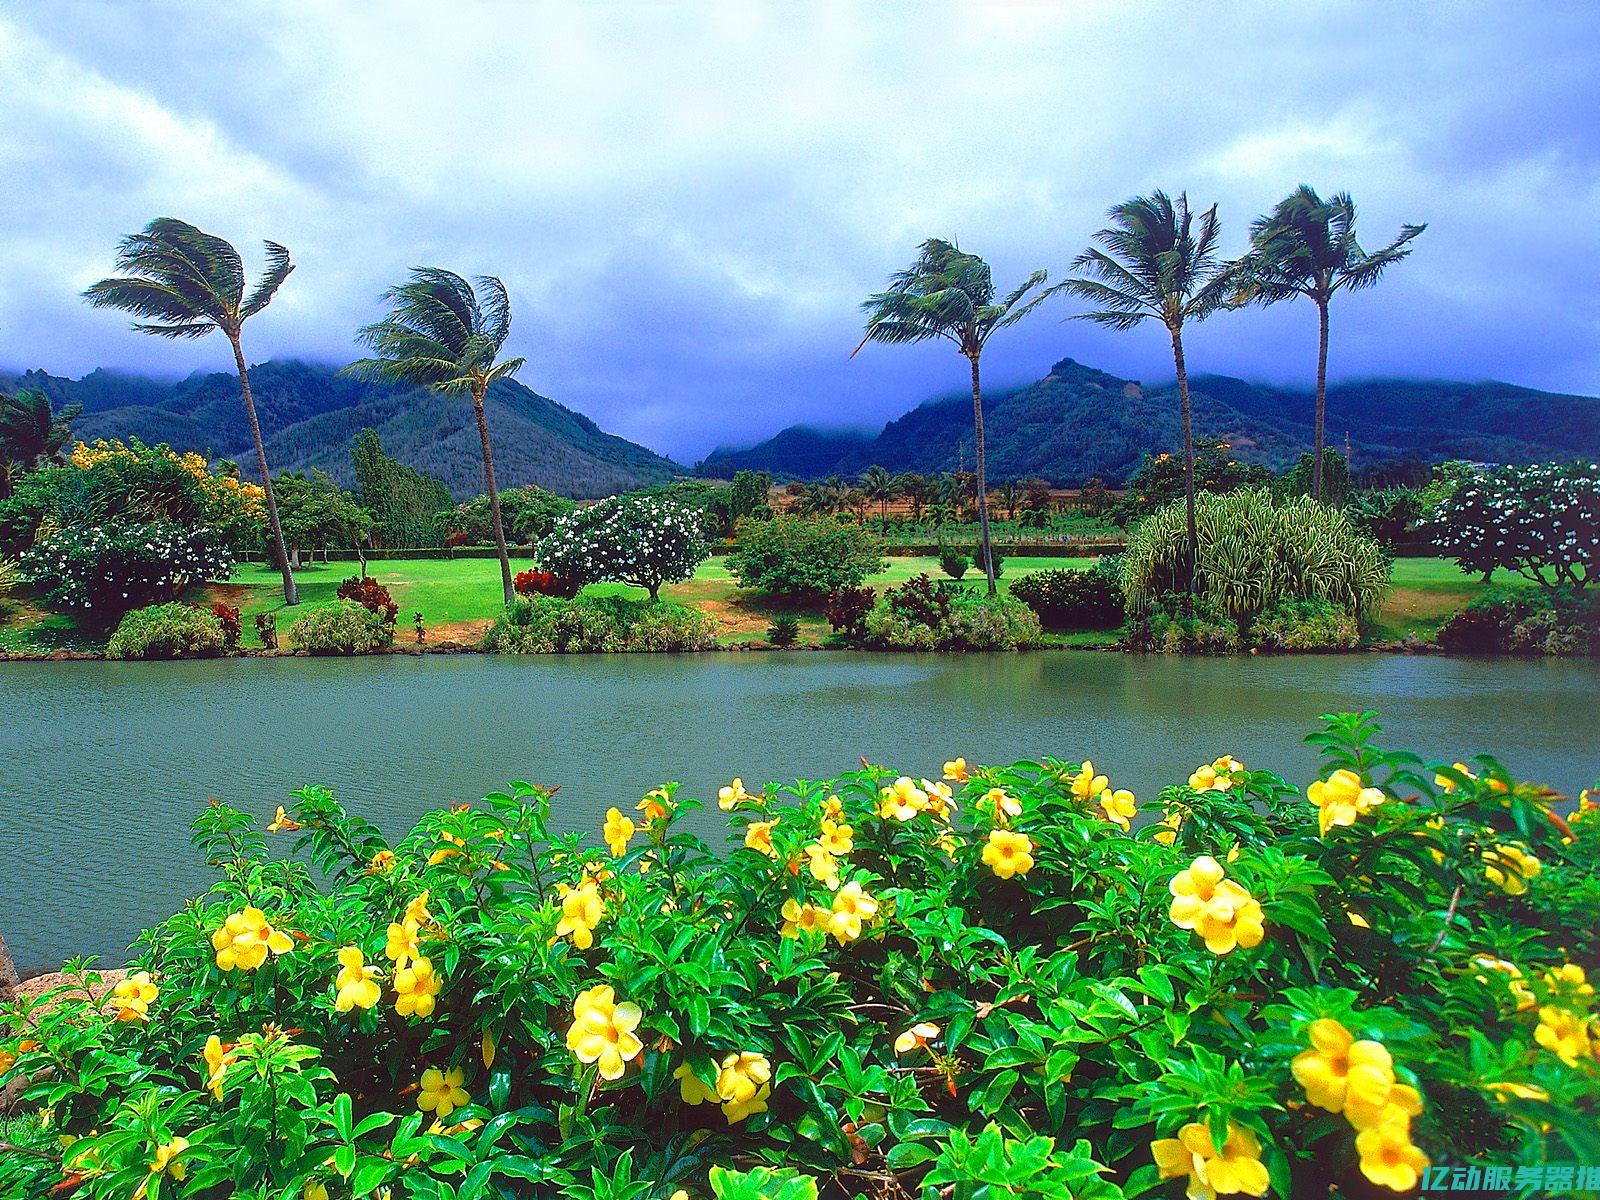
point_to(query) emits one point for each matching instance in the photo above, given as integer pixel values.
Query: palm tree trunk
(1186, 416)
(1317, 439)
(983, 483)
(494, 495)
(291, 591)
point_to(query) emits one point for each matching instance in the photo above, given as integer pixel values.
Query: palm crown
(185, 282)
(1155, 259)
(30, 431)
(1307, 246)
(441, 332)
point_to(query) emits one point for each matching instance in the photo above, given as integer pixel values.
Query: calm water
(102, 765)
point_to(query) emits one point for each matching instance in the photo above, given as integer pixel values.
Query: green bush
(173, 630)
(784, 631)
(990, 986)
(1305, 625)
(954, 562)
(1069, 599)
(597, 625)
(671, 627)
(343, 627)
(1558, 624)
(803, 557)
(1177, 624)
(923, 615)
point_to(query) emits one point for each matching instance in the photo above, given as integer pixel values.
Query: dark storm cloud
(689, 204)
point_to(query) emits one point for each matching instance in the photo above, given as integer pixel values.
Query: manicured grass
(1423, 592)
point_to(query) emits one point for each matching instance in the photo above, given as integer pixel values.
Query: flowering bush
(1541, 521)
(643, 540)
(543, 583)
(173, 630)
(99, 572)
(985, 983)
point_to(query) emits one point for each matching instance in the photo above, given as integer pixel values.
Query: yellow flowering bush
(882, 984)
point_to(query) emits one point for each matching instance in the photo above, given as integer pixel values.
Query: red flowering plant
(545, 583)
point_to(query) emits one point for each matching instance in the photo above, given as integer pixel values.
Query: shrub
(543, 583)
(1305, 625)
(1159, 479)
(921, 601)
(643, 540)
(1386, 515)
(1180, 624)
(343, 627)
(372, 596)
(953, 562)
(1068, 599)
(979, 621)
(527, 514)
(670, 627)
(597, 625)
(1255, 550)
(1036, 1003)
(1540, 624)
(847, 609)
(232, 627)
(10, 577)
(1541, 521)
(100, 572)
(923, 615)
(267, 629)
(803, 557)
(784, 631)
(171, 630)
(995, 557)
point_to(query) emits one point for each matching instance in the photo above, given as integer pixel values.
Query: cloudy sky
(688, 202)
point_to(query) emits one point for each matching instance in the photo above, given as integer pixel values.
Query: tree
(1010, 498)
(950, 294)
(639, 539)
(446, 334)
(1307, 246)
(31, 433)
(318, 514)
(747, 495)
(1541, 521)
(185, 283)
(408, 508)
(804, 557)
(915, 489)
(877, 484)
(1157, 260)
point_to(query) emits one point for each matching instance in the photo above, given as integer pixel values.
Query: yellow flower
(1086, 784)
(654, 806)
(919, 1034)
(940, 798)
(901, 800)
(732, 795)
(1236, 1168)
(133, 996)
(602, 1031)
(356, 981)
(1388, 1157)
(245, 939)
(581, 910)
(382, 863)
(1341, 799)
(824, 866)
(283, 823)
(851, 906)
(743, 1084)
(1505, 1091)
(452, 848)
(1217, 776)
(401, 944)
(1001, 804)
(1510, 868)
(1173, 820)
(618, 832)
(1337, 1066)
(836, 838)
(1569, 977)
(218, 1056)
(1118, 807)
(1216, 908)
(692, 1088)
(1445, 783)
(804, 918)
(758, 837)
(167, 1160)
(1562, 1033)
(417, 911)
(415, 988)
(1008, 854)
(441, 1092)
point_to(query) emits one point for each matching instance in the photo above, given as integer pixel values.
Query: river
(102, 765)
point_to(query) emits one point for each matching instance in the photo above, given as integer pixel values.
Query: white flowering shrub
(1542, 522)
(646, 541)
(100, 572)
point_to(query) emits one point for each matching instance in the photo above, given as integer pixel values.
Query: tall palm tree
(185, 283)
(1157, 260)
(877, 484)
(1306, 246)
(949, 294)
(31, 433)
(446, 334)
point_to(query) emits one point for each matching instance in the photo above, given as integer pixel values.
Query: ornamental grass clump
(1015, 978)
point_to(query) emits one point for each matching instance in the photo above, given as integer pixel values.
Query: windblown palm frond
(948, 294)
(440, 333)
(1307, 246)
(30, 432)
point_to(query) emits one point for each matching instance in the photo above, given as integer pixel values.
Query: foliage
(529, 514)
(343, 627)
(954, 561)
(171, 630)
(1300, 479)
(1542, 522)
(803, 557)
(31, 433)
(784, 630)
(231, 621)
(372, 596)
(923, 615)
(597, 625)
(646, 541)
(318, 514)
(1254, 551)
(980, 986)
(996, 559)
(1158, 481)
(543, 583)
(1304, 625)
(100, 572)
(1538, 624)
(1385, 514)
(407, 506)
(848, 607)
(1068, 599)
(747, 497)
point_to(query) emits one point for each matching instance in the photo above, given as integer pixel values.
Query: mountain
(1078, 422)
(310, 413)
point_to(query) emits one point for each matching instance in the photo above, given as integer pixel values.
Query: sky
(689, 202)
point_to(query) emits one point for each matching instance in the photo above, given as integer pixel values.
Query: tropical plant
(184, 283)
(1306, 246)
(597, 625)
(1541, 521)
(1158, 261)
(446, 334)
(31, 433)
(877, 484)
(1068, 599)
(639, 539)
(784, 630)
(318, 514)
(803, 557)
(100, 572)
(950, 294)
(343, 627)
(171, 630)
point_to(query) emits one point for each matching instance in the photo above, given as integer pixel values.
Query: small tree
(803, 557)
(1542, 522)
(318, 514)
(646, 541)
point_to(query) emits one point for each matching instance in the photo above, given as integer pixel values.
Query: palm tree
(877, 484)
(950, 294)
(31, 433)
(185, 283)
(1307, 246)
(1010, 498)
(445, 334)
(1157, 260)
(915, 489)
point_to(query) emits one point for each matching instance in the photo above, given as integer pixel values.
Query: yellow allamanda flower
(1086, 785)
(1446, 784)
(453, 847)
(957, 771)
(218, 1056)
(417, 911)
(1504, 1091)
(382, 863)
(692, 1088)
(1344, 1075)
(356, 982)
(1569, 977)
(1234, 1169)
(1388, 1157)
(602, 1031)
(400, 944)
(901, 800)
(1342, 798)
(758, 837)
(919, 1034)
(132, 997)
(851, 906)
(836, 838)
(1520, 991)
(582, 910)
(833, 809)
(1118, 807)
(245, 939)
(283, 823)
(654, 806)
(804, 918)
(416, 988)
(618, 832)
(1509, 868)
(441, 1092)
(1008, 854)
(940, 799)
(1563, 1033)
(743, 1085)
(1215, 907)
(824, 866)
(1218, 775)
(732, 795)
(167, 1159)
(1001, 805)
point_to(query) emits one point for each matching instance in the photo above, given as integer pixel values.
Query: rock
(8, 973)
